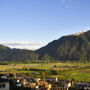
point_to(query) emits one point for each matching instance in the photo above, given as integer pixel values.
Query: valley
(61, 70)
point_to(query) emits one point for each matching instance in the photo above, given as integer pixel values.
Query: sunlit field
(64, 71)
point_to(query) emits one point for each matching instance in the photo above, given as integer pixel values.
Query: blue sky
(42, 20)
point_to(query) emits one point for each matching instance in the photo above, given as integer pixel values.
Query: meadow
(62, 70)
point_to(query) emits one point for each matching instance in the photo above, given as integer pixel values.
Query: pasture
(62, 70)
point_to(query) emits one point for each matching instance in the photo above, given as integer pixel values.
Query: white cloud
(86, 27)
(66, 3)
(24, 45)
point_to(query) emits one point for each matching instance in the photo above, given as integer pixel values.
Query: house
(37, 79)
(4, 77)
(51, 79)
(67, 84)
(83, 85)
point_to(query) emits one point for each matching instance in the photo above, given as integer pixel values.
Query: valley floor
(63, 71)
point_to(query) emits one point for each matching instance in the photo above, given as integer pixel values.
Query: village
(24, 82)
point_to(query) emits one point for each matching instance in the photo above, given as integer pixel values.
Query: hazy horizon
(30, 45)
(24, 45)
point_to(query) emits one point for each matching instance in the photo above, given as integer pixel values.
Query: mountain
(23, 55)
(7, 54)
(4, 52)
(71, 47)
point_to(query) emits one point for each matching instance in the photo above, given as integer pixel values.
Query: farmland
(62, 70)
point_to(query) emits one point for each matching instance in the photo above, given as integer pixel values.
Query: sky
(41, 21)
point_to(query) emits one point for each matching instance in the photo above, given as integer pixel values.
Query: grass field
(67, 71)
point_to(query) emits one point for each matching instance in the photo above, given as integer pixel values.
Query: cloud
(24, 45)
(66, 3)
(86, 27)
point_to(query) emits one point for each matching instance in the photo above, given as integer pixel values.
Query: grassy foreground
(66, 71)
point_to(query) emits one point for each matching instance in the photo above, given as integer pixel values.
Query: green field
(66, 71)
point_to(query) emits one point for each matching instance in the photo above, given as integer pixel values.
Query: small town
(44, 44)
(23, 82)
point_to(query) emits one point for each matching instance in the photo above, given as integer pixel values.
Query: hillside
(71, 47)
(4, 52)
(7, 54)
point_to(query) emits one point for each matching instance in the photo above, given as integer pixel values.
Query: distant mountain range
(71, 47)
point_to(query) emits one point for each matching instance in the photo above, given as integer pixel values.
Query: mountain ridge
(72, 47)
